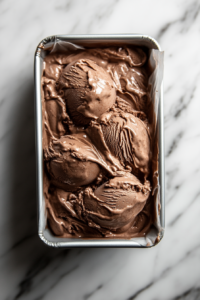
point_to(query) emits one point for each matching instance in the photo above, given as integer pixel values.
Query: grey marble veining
(30, 270)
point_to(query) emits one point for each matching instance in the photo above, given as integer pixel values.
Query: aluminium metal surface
(44, 233)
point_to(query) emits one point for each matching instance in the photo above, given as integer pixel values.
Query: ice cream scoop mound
(73, 164)
(127, 138)
(117, 202)
(89, 90)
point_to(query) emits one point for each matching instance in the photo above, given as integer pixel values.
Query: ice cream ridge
(97, 142)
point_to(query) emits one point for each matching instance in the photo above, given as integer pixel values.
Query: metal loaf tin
(155, 235)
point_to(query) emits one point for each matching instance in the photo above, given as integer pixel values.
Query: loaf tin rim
(39, 158)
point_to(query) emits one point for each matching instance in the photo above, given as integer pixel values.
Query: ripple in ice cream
(98, 142)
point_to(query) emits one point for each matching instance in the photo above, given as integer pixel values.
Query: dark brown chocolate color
(98, 143)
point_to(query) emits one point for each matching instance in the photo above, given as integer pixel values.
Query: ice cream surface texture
(98, 142)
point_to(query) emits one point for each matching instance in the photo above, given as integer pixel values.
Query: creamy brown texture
(98, 143)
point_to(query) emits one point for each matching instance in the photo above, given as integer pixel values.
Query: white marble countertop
(29, 269)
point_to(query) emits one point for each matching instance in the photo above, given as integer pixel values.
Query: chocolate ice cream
(98, 143)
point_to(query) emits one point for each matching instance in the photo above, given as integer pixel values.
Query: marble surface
(29, 269)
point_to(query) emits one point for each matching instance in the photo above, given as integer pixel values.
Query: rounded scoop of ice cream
(89, 91)
(116, 203)
(73, 163)
(127, 138)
